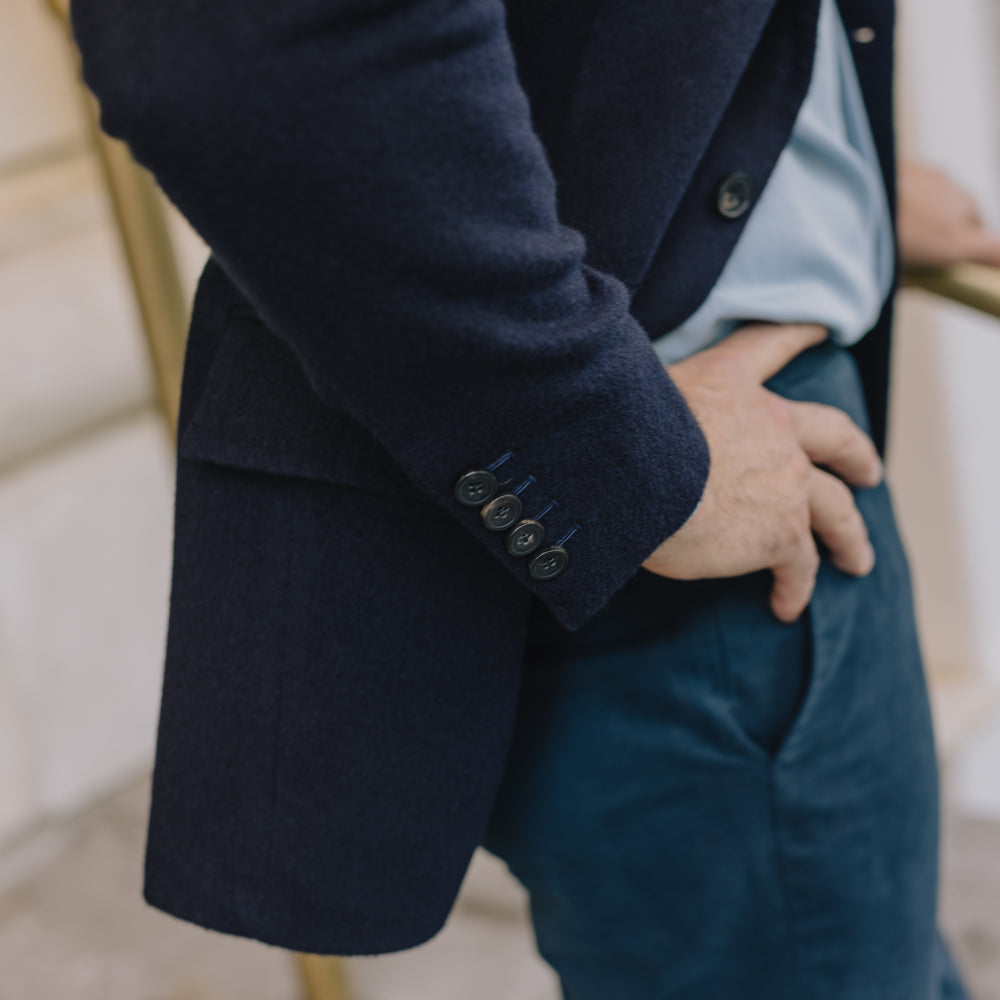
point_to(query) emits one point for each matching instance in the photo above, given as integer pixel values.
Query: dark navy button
(476, 488)
(549, 563)
(735, 195)
(502, 511)
(524, 538)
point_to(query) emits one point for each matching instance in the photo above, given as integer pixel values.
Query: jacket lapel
(644, 111)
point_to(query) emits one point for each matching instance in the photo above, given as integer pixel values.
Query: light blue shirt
(818, 246)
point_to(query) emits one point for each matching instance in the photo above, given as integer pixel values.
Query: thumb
(982, 247)
(765, 348)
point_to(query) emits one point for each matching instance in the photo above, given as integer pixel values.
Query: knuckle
(849, 527)
(796, 531)
(844, 499)
(811, 563)
(814, 575)
(777, 545)
(846, 434)
(799, 466)
(803, 524)
(780, 411)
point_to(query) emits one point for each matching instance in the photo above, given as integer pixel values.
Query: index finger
(765, 348)
(831, 438)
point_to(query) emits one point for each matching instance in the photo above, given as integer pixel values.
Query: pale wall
(947, 405)
(85, 471)
(85, 467)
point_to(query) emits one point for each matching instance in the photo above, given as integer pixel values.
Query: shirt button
(735, 195)
(864, 36)
(523, 539)
(502, 511)
(549, 563)
(476, 488)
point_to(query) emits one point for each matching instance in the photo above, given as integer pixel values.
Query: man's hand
(765, 495)
(939, 223)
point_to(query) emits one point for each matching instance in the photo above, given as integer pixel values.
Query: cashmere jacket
(442, 234)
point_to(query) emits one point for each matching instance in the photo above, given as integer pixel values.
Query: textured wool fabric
(441, 233)
(705, 802)
(367, 175)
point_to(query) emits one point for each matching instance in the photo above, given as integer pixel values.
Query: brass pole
(149, 253)
(159, 294)
(152, 264)
(322, 977)
(973, 285)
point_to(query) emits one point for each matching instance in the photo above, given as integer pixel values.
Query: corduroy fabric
(396, 296)
(704, 802)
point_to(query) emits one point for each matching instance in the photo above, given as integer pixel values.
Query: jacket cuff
(575, 512)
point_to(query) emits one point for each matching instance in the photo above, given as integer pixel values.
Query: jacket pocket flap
(259, 411)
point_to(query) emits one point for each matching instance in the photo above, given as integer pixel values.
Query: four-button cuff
(501, 511)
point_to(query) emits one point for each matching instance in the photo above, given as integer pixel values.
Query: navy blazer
(442, 234)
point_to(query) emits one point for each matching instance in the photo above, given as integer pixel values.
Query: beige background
(86, 468)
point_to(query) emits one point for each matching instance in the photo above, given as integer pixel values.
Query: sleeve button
(502, 511)
(476, 488)
(549, 563)
(524, 538)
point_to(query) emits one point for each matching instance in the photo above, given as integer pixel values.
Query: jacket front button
(549, 563)
(502, 511)
(735, 195)
(523, 539)
(476, 488)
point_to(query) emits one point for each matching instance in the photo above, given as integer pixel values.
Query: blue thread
(545, 510)
(503, 458)
(568, 534)
(521, 487)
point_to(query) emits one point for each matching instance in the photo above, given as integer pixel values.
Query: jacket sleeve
(366, 173)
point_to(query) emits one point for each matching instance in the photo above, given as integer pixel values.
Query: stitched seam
(273, 794)
(720, 653)
(794, 975)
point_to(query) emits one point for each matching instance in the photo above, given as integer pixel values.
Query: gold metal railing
(152, 263)
(972, 285)
(145, 236)
(149, 252)
(159, 293)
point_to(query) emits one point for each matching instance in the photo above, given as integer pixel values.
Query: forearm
(369, 178)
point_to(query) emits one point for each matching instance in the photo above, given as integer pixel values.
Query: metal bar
(152, 264)
(322, 977)
(149, 254)
(973, 285)
(159, 293)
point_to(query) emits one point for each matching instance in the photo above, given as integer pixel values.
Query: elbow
(141, 67)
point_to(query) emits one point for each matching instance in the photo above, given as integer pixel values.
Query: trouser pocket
(767, 666)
